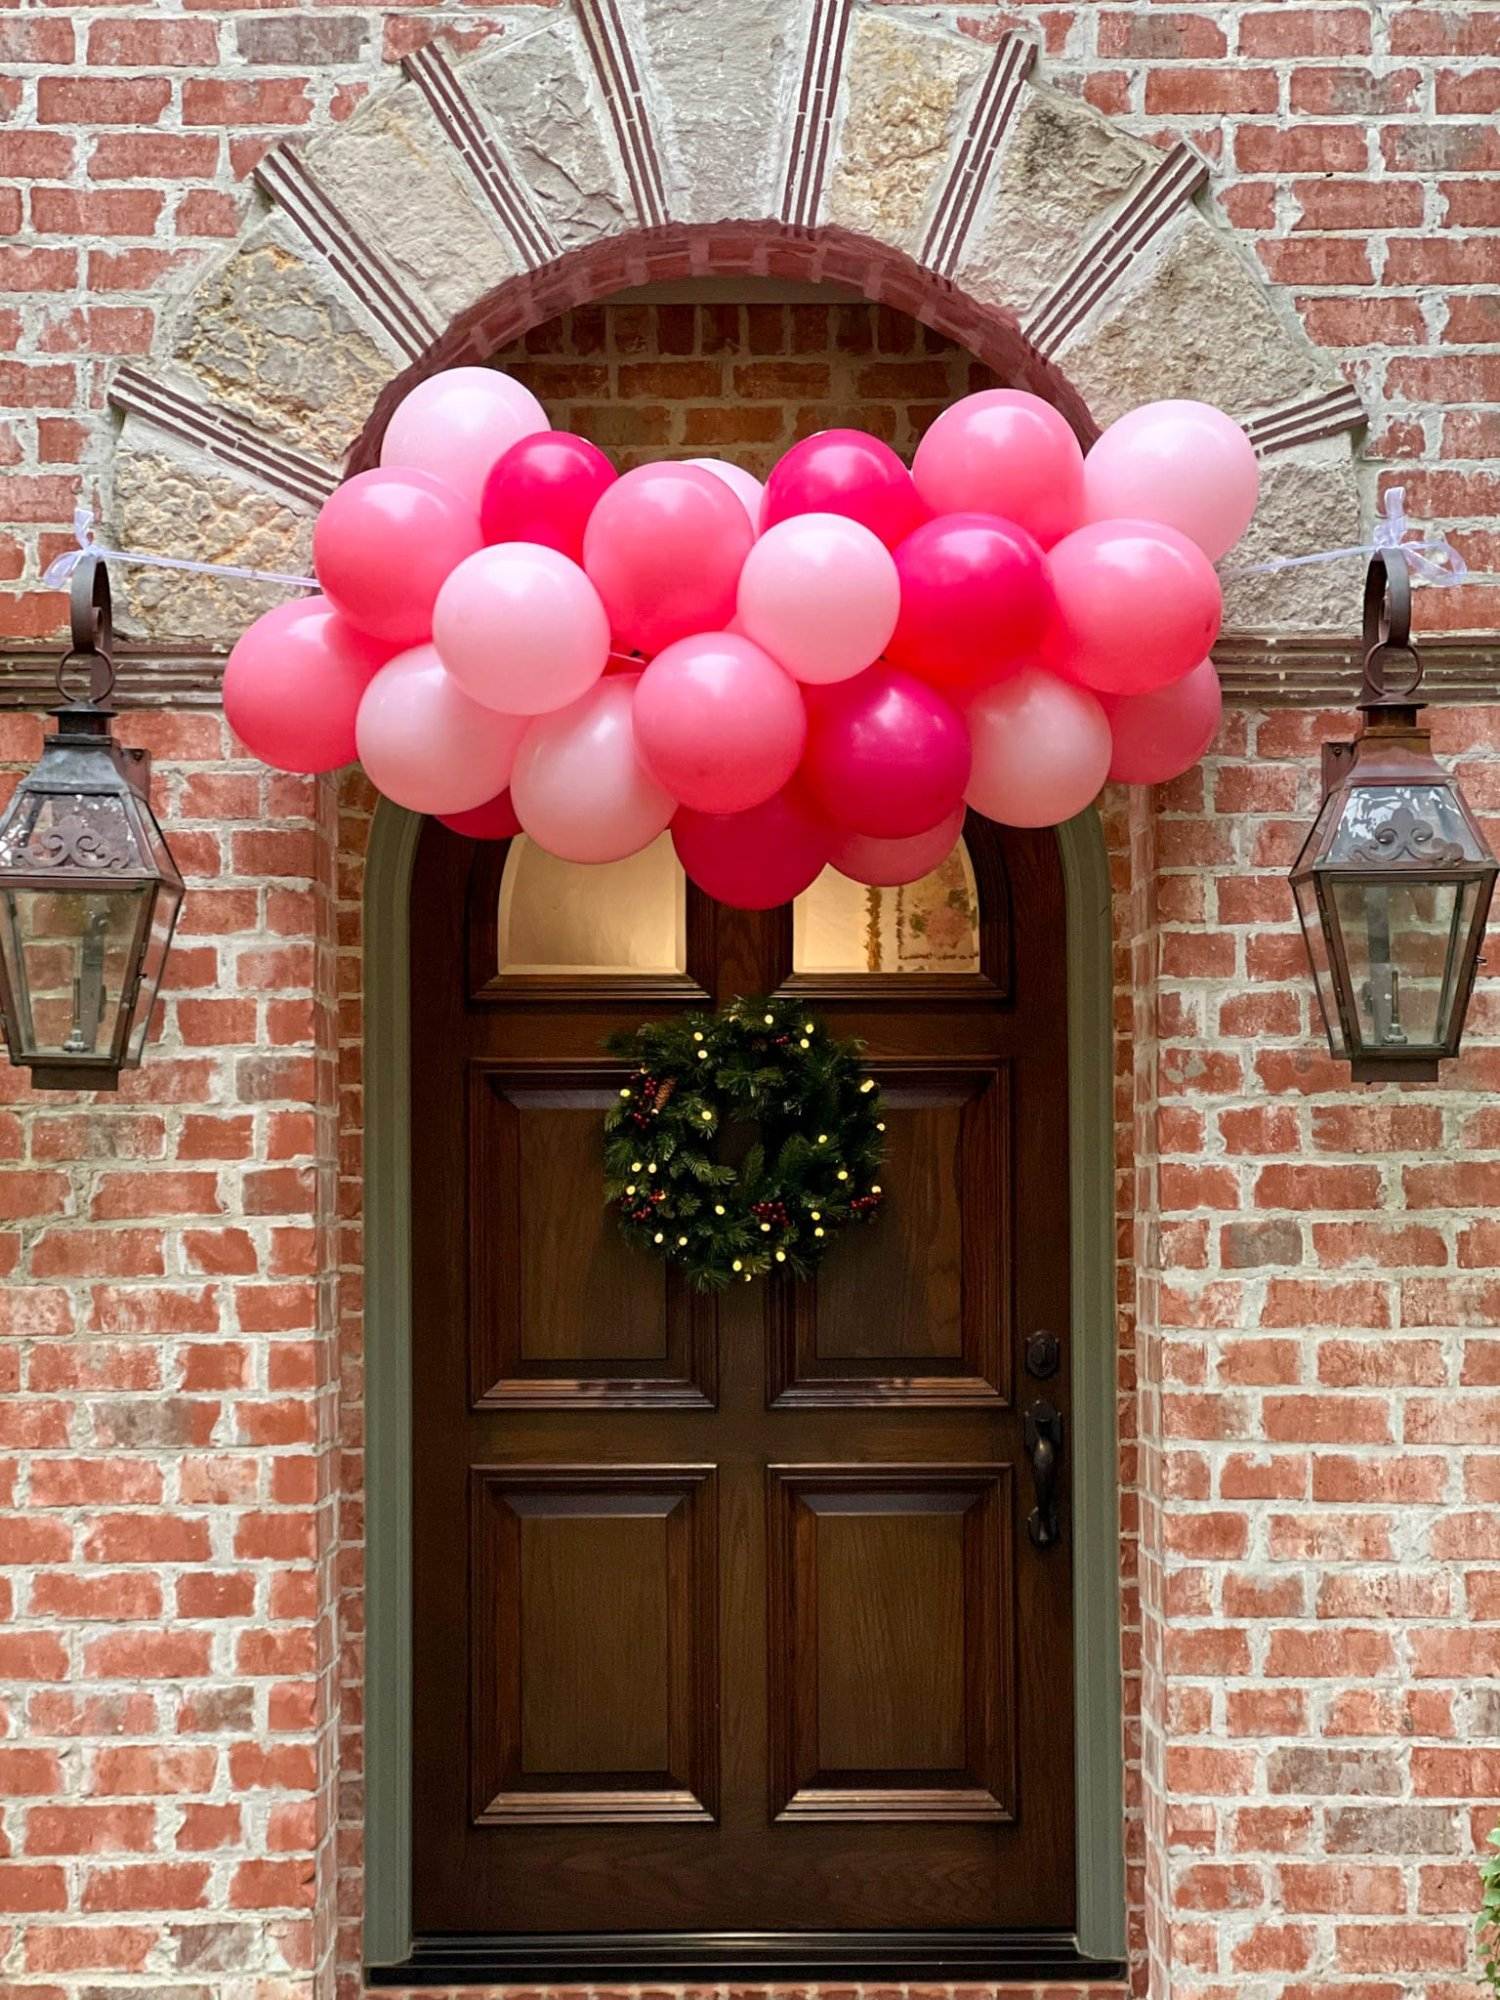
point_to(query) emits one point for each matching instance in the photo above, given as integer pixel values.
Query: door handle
(1044, 1436)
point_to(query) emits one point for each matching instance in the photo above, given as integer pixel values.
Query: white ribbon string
(1431, 558)
(58, 571)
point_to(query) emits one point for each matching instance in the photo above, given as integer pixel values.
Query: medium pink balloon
(753, 860)
(821, 594)
(718, 723)
(383, 546)
(1138, 606)
(521, 628)
(1003, 451)
(975, 600)
(1181, 463)
(579, 787)
(494, 820)
(1041, 750)
(1163, 733)
(457, 424)
(845, 472)
(664, 548)
(744, 485)
(886, 754)
(885, 864)
(544, 490)
(293, 683)
(425, 744)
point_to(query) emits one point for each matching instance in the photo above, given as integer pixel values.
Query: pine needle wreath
(814, 1166)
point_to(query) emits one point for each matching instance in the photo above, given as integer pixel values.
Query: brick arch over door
(609, 143)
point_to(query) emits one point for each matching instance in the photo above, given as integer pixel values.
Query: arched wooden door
(736, 1623)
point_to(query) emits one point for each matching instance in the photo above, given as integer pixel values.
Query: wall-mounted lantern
(1393, 883)
(89, 892)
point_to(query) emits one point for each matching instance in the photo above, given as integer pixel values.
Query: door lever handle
(1044, 1436)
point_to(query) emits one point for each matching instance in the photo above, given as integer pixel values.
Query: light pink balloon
(1182, 463)
(821, 594)
(456, 424)
(293, 685)
(1003, 451)
(749, 490)
(717, 722)
(1138, 605)
(383, 546)
(885, 864)
(425, 744)
(1163, 733)
(1041, 750)
(579, 787)
(521, 628)
(664, 547)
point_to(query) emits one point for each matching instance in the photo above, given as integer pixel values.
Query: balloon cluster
(828, 668)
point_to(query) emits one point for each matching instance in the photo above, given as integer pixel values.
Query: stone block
(398, 178)
(1061, 169)
(274, 335)
(724, 103)
(907, 94)
(1191, 318)
(170, 500)
(1309, 499)
(541, 97)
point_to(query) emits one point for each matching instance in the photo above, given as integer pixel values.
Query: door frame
(1094, 1460)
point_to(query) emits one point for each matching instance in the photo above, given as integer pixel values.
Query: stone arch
(608, 143)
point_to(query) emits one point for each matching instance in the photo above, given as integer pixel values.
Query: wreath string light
(813, 1168)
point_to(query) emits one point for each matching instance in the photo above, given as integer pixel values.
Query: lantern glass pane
(1401, 824)
(1402, 939)
(166, 900)
(1306, 891)
(67, 954)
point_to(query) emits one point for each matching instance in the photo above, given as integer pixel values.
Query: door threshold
(714, 1957)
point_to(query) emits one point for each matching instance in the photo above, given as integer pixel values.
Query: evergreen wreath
(813, 1167)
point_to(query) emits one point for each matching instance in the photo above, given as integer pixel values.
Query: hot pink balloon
(425, 744)
(544, 490)
(885, 864)
(521, 628)
(1138, 606)
(1181, 463)
(753, 860)
(821, 594)
(664, 548)
(744, 485)
(456, 424)
(293, 683)
(579, 786)
(494, 820)
(1003, 451)
(1041, 750)
(1161, 734)
(718, 723)
(383, 546)
(975, 600)
(886, 754)
(845, 472)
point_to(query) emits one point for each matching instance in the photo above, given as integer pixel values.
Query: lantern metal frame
(110, 845)
(1392, 753)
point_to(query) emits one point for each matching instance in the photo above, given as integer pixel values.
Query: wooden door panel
(561, 1309)
(938, 1263)
(890, 1641)
(574, 1573)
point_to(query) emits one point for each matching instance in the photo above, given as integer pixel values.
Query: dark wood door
(726, 1614)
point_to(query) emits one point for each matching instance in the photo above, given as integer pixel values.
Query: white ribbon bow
(59, 570)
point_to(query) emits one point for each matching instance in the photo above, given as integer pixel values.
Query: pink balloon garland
(828, 669)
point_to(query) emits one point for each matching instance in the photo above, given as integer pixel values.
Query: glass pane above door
(839, 926)
(621, 917)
